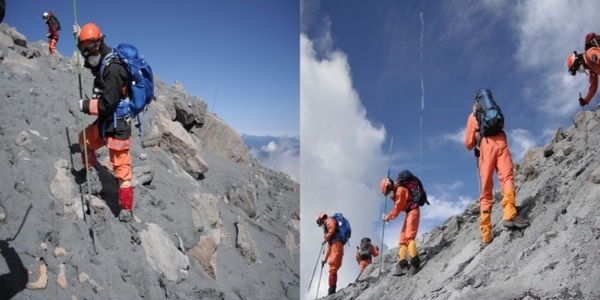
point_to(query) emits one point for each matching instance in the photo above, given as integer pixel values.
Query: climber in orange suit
(334, 252)
(403, 203)
(493, 154)
(590, 61)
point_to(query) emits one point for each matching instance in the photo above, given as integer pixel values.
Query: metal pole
(381, 260)
(315, 269)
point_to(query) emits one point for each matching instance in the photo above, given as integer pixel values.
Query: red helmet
(387, 185)
(320, 218)
(90, 39)
(575, 63)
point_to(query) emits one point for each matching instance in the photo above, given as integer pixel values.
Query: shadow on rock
(15, 280)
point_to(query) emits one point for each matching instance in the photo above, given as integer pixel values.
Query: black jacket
(109, 88)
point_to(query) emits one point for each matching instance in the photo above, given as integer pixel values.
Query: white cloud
(282, 157)
(341, 156)
(520, 141)
(457, 137)
(270, 147)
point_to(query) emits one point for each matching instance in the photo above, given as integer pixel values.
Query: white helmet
(45, 15)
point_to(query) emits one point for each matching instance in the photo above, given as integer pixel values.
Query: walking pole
(319, 283)
(385, 205)
(85, 150)
(585, 127)
(315, 269)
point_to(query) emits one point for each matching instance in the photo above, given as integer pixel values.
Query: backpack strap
(112, 57)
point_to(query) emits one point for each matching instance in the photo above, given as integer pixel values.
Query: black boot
(331, 290)
(401, 268)
(415, 265)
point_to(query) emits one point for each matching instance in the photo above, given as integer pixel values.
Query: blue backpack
(488, 114)
(140, 87)
(343, 230)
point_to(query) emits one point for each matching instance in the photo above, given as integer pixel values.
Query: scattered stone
(42, 281)
(2, 214)
(44, 246)
(62, 278)
(60, 252)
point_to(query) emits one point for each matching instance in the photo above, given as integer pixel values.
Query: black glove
(476, 152)
(323, 263)
(323, 243)
(581, 101)
(377, 247)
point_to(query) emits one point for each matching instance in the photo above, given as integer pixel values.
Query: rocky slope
(557, 257)
(211, 223)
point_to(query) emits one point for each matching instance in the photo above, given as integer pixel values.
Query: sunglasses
(88, 47)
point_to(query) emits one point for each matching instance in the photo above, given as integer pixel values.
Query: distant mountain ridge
(281, 153)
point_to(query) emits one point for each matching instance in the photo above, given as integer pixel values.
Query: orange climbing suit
(118, 152)
(363, 263)
(592, 62)
(494, 156)
(403, 202)
(334, 252)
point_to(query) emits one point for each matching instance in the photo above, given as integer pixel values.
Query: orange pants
(118, 152)
(410, 226)
(335, 253)
(495, 156)
(362, 264)
(52, 45)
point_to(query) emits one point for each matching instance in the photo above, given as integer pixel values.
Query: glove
(76, 30)
(377, 248)
(80, 104)
(476, 152)
(581, 101)
(323, 263)
(47, 35)
(383, 218)
(323, 243)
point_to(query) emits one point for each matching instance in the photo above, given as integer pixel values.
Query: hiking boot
(92, 184)
(415, 266)
(401, 268)
(516, 222)
(331, 290)
(125, 216)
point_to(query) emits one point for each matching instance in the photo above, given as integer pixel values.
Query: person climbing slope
(365, 252)
(403, 202)
(53, 28)
(587, 62)
(335, 248)
(488, 140)
(108, 129)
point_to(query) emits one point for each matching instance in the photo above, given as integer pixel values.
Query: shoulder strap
(108, 59)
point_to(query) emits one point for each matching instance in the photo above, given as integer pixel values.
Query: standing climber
(588, 61)
(53, 28)
(488, 140)
(365, 252)
(403, 202)
(110, 86)
(335, 248)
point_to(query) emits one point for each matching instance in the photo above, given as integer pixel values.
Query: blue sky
(408, 70)
(243, 54)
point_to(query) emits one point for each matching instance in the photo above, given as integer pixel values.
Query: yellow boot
(511, 219)
(486, 227)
